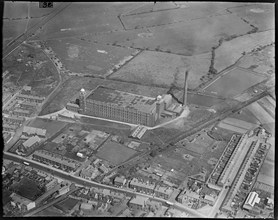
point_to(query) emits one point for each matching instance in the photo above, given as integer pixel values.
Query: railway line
(23, 37)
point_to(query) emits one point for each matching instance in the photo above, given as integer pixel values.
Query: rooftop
(32, 140)
(123, 99)
(139, 200)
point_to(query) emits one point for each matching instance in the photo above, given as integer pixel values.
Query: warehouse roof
(32, 140)
(123, 99)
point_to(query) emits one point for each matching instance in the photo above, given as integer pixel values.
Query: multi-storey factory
(127, 107)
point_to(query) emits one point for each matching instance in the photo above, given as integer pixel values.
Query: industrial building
(251, 200)
(126, 107)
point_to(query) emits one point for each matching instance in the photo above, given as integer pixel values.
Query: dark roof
(123, 99)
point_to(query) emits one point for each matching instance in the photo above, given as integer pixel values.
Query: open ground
(115, 153)
(233, 83)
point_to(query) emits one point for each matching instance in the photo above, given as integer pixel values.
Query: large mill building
(122, 106)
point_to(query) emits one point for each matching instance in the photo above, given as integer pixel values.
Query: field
(15, 10)
(202, 150)
(163, 69)
(29, 66)
(89, 18)
(52, 127)
(190, 37)
(260, 61)
(268, 106)
(115, 153)
(72, 86)
(197, 99)
(233, 83)
(260, 113)
(88, 58)
(51, 211)
(230, 51)
(259, 15)
(13, 29)
(67, 204)
(246, 115)
(266, 174)
(28, 189)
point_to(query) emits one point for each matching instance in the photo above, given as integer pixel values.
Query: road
(89, 183)
(23, 37)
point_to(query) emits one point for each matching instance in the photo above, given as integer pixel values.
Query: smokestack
(185, 89)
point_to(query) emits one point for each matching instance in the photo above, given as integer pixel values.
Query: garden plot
(162, 69)
(230, 51)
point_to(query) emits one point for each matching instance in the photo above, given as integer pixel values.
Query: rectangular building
(142, 186)
(139, 202)
(32, 141)
(121, 106)
(29, 131)
(163, 192)
(55, 159)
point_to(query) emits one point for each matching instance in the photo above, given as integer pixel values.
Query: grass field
(261, 61)
(191, 37)
(51, 211)
(163, 69)
(115, 153)
(88, 58)
(67, 204)
(233, 83)
(52, 127)
(259, 15)
(12, 29)
(230, 51)
(89, 18)
(15, 10)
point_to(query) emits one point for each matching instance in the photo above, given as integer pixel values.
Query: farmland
(89, 18)
(88, 58)
(233, 82)
(259, 15)
(163, 69)
(13, 28)
(185, 38)
(260, 61)
(115, 153)
(230, 51)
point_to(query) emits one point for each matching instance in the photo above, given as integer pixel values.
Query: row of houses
(56, 160)
(30, 98)
(145, 187)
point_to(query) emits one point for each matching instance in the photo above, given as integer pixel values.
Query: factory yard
(52, 127)
(233, 83)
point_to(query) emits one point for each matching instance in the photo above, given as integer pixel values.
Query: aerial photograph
(138, 109)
